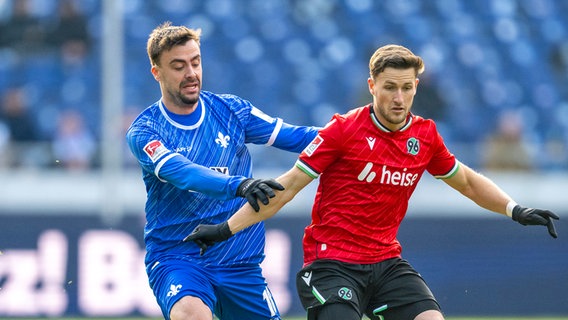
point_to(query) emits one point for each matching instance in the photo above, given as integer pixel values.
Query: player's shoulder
(422, 126)
(421, 121)
(226, 105)
(226, 99)
(351, 120)
(147, 118)
(363, 111)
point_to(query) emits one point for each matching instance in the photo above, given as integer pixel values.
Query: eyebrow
(196, 57)
(404, 82)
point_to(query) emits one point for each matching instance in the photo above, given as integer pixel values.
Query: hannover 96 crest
(413, 146)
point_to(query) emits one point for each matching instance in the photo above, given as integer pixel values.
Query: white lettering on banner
(52, 254)
(112, 279)
(276, 267)
(18, 295)
(35, 281)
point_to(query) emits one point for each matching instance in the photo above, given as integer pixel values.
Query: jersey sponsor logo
(311, 148)
(413, 146)
(223, 170)
(183, 149)
(155, 149)
(393, 177)
(371, 142)
(222, 140)
(366, 173)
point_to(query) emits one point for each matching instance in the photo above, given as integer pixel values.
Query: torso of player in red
(367, 175)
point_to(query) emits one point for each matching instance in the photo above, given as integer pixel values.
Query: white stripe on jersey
(259, 114)
(161, 163)
(275, 132)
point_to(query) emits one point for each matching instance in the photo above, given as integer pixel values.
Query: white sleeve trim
(161, 163)
(275, 132)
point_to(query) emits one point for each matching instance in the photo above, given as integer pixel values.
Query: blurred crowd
(45, 52)
(495, 80)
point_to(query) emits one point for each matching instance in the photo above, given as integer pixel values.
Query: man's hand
(258, 189)
(205, 235)
(530, 216)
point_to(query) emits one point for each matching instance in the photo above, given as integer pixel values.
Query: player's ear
(416, 85)
(155, 73)
(371, 84)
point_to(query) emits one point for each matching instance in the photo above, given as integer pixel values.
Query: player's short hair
(394, 56)
(165, 36)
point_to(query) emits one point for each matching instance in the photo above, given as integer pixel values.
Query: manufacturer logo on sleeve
(155, 149)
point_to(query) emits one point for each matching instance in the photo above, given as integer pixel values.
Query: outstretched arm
(479, 189)
(488, 195)
(293, 181)
(206, 235)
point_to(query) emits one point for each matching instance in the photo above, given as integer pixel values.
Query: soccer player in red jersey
(369, 162)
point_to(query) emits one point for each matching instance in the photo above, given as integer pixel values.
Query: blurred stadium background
(73, 74)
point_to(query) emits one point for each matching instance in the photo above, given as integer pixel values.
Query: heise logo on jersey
(393, 177)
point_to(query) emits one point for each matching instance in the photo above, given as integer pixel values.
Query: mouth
(190, 86)
(398, 109)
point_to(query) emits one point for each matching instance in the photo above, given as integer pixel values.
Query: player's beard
(394, 119)
(190, 100)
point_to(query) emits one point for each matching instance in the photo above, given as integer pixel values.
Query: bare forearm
(488, 195)
(293, 181)
(246, 216)
(480, 190)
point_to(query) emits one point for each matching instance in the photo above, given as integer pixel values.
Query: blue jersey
(192, 166)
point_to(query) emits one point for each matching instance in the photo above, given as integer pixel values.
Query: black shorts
(390, 288)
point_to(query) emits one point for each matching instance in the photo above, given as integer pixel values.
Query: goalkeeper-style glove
(530, 216)
(258, 189)
(205, 235)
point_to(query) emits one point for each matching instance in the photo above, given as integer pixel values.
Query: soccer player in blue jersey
(197, 170)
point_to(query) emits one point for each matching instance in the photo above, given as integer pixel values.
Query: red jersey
(367, 175)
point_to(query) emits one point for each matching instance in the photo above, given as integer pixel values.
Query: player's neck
(385, 124)
(180, 108)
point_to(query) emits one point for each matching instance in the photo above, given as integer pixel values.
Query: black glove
(205, 235)
(258, 189)
(530, 216)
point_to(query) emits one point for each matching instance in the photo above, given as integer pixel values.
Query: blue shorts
(232, 293)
